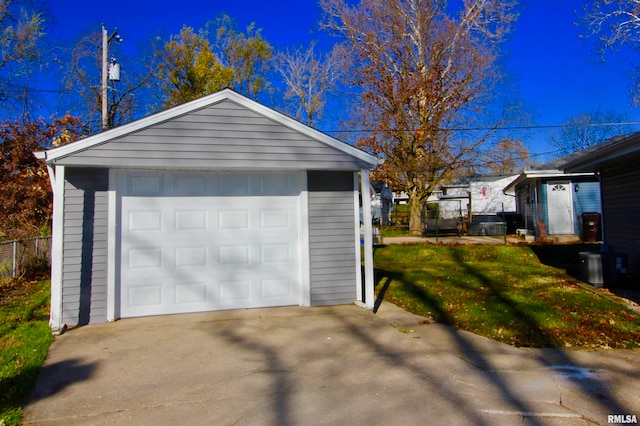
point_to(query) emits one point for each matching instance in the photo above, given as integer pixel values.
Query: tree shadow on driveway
(557, 360)
(53, 378)
(343, 369)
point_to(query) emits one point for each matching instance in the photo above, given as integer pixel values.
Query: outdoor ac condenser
(591, 268)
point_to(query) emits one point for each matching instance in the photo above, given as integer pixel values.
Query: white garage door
(198, 242)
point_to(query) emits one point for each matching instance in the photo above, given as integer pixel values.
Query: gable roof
(611, 152)
(219, 119)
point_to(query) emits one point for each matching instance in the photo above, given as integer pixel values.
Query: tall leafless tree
(586, 130)
(307, 76)
(421, 71)
(21, 31)
(615, 23)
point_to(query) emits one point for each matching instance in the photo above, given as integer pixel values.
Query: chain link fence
(17, 256)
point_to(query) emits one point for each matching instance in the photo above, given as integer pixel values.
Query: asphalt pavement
(322, 366)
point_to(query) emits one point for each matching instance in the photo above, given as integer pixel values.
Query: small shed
(552, 201)
(615, 162)
(219, 203)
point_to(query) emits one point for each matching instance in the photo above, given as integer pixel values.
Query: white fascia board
(558, 175)
(226, 94)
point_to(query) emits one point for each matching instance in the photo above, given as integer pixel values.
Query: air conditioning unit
(591, 268)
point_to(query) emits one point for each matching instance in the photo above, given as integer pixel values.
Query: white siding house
(220, 203)
(477, 195)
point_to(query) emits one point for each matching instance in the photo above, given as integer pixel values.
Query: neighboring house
(401, 197)
(616, 163)
(220, 203)
(477, 195)
(551, 201)
(454, 202)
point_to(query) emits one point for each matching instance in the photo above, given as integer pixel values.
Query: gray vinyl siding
(332, 230)
(220, 136)
(621, 212)
(84, 251)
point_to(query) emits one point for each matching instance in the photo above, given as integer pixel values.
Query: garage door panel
(197, 253)
(144, 258)
(235, 291)
(191, 257)
(237, 255)
(145, 295)
(276, 288)
(190, 220)
(233, 220)
(189, 293)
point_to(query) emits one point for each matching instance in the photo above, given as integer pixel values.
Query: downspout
(56, 179)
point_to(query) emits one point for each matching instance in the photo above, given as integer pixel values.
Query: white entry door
(560, 207)
(195, 242)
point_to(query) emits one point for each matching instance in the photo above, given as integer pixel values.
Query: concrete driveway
(334, 365)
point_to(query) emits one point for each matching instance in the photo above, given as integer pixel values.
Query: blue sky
(556, 72)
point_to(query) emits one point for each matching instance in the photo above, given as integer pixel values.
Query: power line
(13, 88)
(505, 128)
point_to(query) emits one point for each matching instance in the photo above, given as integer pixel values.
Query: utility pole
(106, 39)
(105, 59)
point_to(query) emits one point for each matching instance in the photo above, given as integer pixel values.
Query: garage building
(219, 203)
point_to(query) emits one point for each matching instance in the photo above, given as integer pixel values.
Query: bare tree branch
(307, 78)
(420, 70)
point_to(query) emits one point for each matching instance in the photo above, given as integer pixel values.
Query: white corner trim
(369, 281)
(303, 223)
(356, 225)
(112, 247)
(57, 240)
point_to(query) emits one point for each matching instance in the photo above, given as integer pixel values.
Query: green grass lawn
(25, 337)
(504, 293)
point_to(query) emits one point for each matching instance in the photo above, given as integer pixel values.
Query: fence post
(15, 259)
